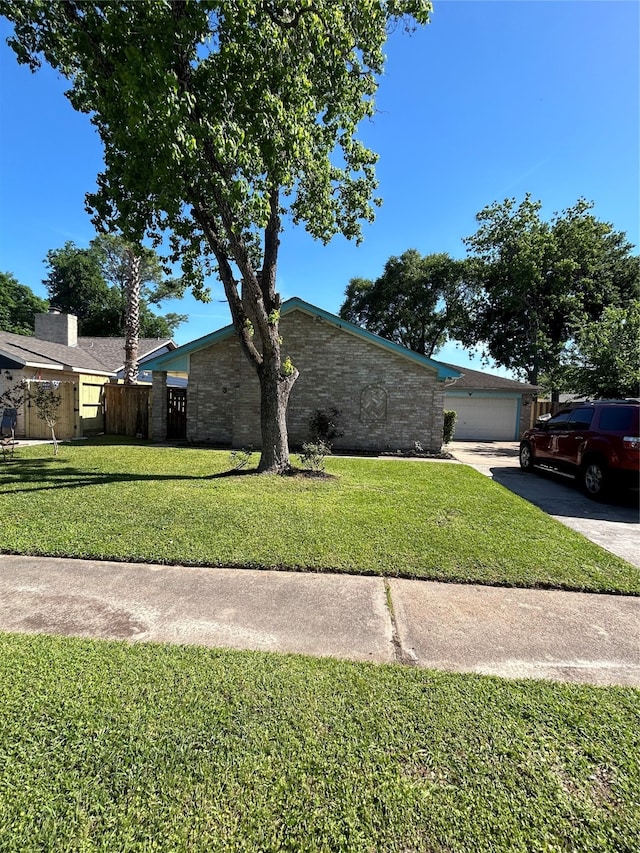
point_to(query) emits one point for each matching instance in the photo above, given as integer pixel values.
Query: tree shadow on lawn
(37, 475)
(302, 473)
(40, 475)
(147, 443)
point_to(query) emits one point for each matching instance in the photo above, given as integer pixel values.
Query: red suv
(598, 443)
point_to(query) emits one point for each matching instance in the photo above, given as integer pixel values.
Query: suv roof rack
(609, 402)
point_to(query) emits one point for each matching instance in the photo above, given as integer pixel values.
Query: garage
(489, 408)
(484, 418)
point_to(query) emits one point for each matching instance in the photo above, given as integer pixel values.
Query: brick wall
(527, 413)
(159, 406)
(387, 402)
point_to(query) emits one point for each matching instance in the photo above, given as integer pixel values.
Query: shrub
(449, 429)
(313, 456)
(324, 426)
(43, 396)
(239, 459)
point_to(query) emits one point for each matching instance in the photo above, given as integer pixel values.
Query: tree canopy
(535, 283)
(18, 306)
(604, 359)
(89, 284)
(217, 119)
(418, 302)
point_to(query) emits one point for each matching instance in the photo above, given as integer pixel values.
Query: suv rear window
(619, 419)
(581, 419)
(558, 420)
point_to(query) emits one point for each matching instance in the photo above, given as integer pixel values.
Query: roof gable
(178, 359)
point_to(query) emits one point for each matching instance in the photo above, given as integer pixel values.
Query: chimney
(57, 328)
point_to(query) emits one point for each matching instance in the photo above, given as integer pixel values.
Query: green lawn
(113, 747)
(435, 520)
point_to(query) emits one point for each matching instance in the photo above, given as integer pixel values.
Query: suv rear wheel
(594, 479)
(526, 456)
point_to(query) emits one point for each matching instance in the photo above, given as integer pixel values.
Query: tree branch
(289, 22)
(238, 314)
(271, 245)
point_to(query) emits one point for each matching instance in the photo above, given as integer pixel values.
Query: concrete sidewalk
(508, 632)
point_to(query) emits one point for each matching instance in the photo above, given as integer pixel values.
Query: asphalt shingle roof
(110, 351)
(477, 380)
(92, 355)
(32, 350)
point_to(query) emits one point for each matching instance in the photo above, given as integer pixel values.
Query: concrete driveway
(614, 525)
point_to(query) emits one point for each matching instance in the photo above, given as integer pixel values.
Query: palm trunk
(132, 319)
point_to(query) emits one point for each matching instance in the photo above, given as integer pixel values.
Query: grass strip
(108, 746)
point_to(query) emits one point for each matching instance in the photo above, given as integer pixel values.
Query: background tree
(604, 360)
(418, 302)
(75, 285)
(218, 118)
(84, 282)
(535, 282)
(18, 306)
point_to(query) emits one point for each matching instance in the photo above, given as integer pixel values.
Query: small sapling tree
(47, 404)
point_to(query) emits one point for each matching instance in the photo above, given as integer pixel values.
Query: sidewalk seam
(400, 654)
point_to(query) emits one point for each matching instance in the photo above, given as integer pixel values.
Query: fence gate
(126, 409)
(66, 421)
(176, 412)
(91, 408)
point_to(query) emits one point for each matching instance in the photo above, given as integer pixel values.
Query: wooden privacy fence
(66, 421)
(127, 410)
(544, 407)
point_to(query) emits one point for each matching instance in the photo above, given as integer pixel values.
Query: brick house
(388, 397)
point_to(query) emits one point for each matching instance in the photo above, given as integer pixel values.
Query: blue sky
(491, 100)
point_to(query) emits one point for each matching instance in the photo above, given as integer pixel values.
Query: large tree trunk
(255, 312)
(274, 397)
(132, 319)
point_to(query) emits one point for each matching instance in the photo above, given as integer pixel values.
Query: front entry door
(176, 413)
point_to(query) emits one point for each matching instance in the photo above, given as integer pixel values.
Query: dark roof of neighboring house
(92, 355)
(477, 380)
(29, 351)
(177, 359)
(110, 351)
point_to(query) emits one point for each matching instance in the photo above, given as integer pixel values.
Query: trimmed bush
(449, 429)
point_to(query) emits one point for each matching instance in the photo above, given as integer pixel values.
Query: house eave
(22, 364)
(88, 370)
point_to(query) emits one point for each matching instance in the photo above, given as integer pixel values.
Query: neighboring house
(388, 397)
(110, 351)
(489, 408)
(80, 367)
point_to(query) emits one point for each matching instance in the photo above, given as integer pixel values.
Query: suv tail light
(631, 443)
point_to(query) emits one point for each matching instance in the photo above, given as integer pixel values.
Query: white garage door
(484, 418)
